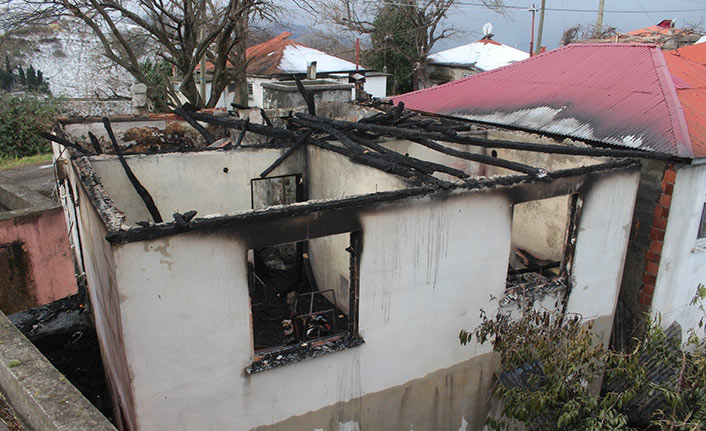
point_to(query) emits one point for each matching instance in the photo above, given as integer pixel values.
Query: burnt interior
(288, 307)
(542, 247)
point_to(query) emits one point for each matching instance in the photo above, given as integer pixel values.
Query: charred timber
(357, 154)
(301, 141)
(64, 142)
(300, 209)
(481, 158)
(170, 228)
(95, 143)
(486, 143)
(307, 95)
(186, 115)
(422, 165)
(139, 188)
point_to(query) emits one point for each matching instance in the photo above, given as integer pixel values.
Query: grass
(11, 162)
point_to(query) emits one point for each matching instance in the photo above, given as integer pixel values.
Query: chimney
(311, 71)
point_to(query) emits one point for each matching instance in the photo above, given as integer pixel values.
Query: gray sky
(514, 28)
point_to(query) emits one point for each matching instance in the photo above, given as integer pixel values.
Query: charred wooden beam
(139, 188)
(96, 145)
(241, 136)
(302, 140)
(307, 95)
(62, 141)
(387, 165)
(266, 118)
(482, 158)
(162, 230)
(272, 213)
(186, 115)
(234, 123)
(488, 143)
(423, 165)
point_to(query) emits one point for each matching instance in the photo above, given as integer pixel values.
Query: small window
(250, 91)
(543, 238)
(231, 87)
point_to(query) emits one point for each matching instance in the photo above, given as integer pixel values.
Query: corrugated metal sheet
(617, 94)
(692, 95)
(695, 53)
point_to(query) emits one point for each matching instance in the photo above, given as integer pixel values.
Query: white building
(401, 244)
(466, 60)
(281, 59)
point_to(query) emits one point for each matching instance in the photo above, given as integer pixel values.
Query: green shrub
(22, 118)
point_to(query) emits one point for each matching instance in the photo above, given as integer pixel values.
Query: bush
(551, 364)
(22, 118)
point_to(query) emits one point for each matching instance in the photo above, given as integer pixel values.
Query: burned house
(626, 96)
(316, 276)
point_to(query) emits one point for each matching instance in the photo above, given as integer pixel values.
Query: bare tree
(405, 28)
(180, 33)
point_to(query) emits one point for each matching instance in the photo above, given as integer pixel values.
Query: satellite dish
(487, 28)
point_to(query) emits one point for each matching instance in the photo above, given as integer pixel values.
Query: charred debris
(360, 141)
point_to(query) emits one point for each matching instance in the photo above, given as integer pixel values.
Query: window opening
(543, 239)
(702, 224)
(303, 292)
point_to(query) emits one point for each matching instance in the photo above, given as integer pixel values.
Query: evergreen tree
(21, 75)
(31, 79)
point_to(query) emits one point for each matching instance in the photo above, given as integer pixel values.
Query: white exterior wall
(376, 85)
(682, 266)
(428, 265)
(601, 245)
(256, 99)
(199, 178)
(186, 316)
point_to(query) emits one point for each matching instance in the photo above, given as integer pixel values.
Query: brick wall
(659, 225)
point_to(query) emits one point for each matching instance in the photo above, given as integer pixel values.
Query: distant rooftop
(485, 54)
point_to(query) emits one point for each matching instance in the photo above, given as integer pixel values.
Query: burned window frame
(566, 265)
(287, 354)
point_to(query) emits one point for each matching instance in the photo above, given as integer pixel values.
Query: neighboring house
(281, 59)
(466, 60)
(619, 96)
(36, 267)
(323, 286)
(664, 34)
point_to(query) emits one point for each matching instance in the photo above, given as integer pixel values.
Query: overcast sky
(514, 28)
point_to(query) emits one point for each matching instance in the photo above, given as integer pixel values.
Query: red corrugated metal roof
(692, 95)
(695, 53)
(617, 94)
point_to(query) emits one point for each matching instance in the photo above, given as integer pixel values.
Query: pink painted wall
(44, 237)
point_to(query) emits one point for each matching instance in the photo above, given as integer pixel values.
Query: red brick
(669, 176)
(651, 268)
(665, 200)
(649, 279)
(665, 211)
(659, 223)
(647, 289)
(652, 257)
(645, 299)
(656, 247)
(668, 189)
(657, 234)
